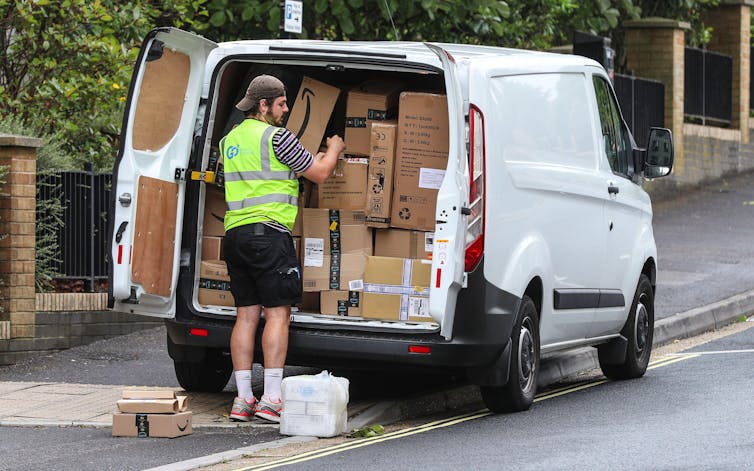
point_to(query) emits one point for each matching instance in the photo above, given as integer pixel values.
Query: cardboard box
(402, 243)
(214, 212)
(340, 303)
(214, 284)
(421, 159)
(380, 174)
(346, 188)
(212, 248)
(396, 289)
(309, 302)
(311, 112)
(152, 402)
(152, 425)
(307, 194)
(335, 246)
(370, 102)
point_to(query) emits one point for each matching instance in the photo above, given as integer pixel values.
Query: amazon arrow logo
(305, 94)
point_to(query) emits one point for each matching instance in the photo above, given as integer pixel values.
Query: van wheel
(638, 332)
(210, 375)
(518, 394)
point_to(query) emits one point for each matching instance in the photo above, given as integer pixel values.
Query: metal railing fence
(708, 86)
(81, 239)
(642, 102)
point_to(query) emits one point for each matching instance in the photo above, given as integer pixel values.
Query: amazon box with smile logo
(311, 112)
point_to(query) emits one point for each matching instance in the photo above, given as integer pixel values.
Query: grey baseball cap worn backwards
(262, 87)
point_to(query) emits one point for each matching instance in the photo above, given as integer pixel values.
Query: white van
(543, 233)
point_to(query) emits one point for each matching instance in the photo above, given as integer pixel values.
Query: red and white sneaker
(243, 410)
(269, 410)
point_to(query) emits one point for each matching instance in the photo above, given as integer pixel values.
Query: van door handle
(612, 189)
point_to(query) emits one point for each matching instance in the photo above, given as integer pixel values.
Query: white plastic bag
(315, 406)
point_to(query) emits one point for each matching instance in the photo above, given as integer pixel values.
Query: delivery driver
(261, 160)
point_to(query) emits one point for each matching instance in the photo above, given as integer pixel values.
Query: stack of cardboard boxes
(364, 236)
(150, 413)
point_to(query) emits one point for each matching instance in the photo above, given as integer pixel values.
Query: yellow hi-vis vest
(258, 187)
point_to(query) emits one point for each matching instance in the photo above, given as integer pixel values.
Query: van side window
(613, 134)
(544, 118)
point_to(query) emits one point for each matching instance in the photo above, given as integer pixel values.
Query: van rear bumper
(333, 348)
(483, 321)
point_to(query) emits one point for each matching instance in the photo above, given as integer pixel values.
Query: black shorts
(262, 266)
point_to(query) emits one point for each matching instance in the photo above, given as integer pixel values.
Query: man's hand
(336, 143)
(324, 162)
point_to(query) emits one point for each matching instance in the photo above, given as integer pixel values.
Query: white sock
(243, 384)
(272, 379)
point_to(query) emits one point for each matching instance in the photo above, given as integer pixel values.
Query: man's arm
(324, 162)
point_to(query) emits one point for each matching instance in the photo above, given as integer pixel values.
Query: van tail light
(475, 222)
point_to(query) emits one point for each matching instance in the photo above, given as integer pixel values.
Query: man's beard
(270, 118)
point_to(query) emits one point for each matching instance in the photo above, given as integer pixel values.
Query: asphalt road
(691, 413)
(704, 245)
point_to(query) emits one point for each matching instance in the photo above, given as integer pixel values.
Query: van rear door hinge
(206, 177)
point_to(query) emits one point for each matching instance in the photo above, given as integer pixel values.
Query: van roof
(404, 49)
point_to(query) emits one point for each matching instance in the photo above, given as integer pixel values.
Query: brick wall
(731, 35)
(30, 324)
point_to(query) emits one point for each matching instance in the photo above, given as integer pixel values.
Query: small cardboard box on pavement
(144, 413)
(315, 406)
(396, 289)
(311, 112)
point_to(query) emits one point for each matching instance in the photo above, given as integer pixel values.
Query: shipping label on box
(340, 303)
(214, 212)
(346, 187)
(403, 243)
(380, 175)
(368, 103)
(396, 289)
(214, 284)
(335, 247)
(152, 425)
(311, 112)
(421, 159)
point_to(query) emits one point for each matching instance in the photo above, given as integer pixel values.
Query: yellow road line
(437, 424)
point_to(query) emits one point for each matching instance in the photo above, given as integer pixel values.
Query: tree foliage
(65, 66)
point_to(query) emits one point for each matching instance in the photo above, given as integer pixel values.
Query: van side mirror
(658, 160)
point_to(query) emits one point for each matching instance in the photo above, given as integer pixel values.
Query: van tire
(638, 332)
(209, 375)
(518, 394)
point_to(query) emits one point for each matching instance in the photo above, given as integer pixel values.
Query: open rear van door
(452, 199)
(146, 216)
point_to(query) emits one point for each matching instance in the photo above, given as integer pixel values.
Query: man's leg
(275, 335)
(242, 347)
(275, 348)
